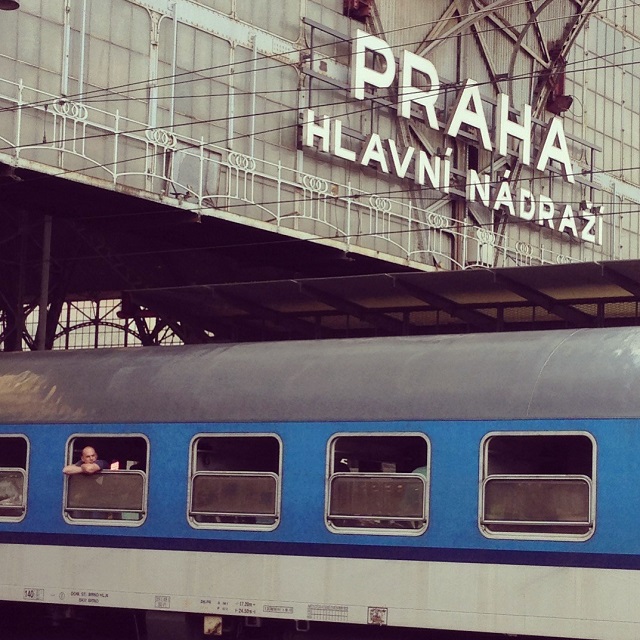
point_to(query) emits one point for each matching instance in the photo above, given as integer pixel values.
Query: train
(448, 486)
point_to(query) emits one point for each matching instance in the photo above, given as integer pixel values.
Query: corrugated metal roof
(414, 303)
(544, 374)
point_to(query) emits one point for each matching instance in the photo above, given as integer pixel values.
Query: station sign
(467, 114)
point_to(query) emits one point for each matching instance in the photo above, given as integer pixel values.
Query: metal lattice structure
(169, 151)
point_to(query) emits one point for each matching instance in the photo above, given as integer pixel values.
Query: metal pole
(41, 334)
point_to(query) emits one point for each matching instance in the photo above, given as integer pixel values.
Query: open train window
(378, 483)
(537, 485)
(117, 495)
(235, 481)
(14, 455)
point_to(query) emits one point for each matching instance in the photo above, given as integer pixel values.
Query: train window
(118, 494)
(378, 483)
(538, 485)
(235, 481)
(14, 454)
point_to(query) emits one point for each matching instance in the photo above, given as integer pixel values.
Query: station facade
(416, 136)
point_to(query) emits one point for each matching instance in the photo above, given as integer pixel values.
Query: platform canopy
(213, 280)
(478, 300)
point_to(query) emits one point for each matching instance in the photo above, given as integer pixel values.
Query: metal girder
(564, 311)
(439, 34)
(377, 319)
(290, 324)
(632, 286)
(556, 62)
(442, 303)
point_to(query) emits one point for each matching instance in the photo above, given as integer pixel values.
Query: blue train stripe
(368, 552)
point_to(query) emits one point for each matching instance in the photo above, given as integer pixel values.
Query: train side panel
(494, 598)
(449, 577)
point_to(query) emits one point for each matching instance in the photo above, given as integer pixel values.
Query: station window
(235, 481)
(14, 454)
(538, 485)
(378, 482)
(118, 494)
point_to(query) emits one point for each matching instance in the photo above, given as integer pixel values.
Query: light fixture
(9, 5)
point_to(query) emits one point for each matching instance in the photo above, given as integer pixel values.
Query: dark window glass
(538, 484)
(235, 481)
(14, 451)
(117, 495)
(378, 482)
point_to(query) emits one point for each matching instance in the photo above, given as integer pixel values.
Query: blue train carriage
(483, 483)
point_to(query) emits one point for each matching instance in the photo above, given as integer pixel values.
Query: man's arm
(90, 467)
(85, 467)
(72, 469)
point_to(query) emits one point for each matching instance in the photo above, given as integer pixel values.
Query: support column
(41, 334)
(14, 289)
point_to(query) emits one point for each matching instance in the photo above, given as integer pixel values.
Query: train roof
(550, 374)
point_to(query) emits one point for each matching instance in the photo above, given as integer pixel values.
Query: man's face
(89, 455)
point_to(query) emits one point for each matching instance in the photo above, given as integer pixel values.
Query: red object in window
(358, 9)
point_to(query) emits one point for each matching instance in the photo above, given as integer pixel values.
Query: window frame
(25, 480)
(106, 522)
(195, 473)
(331, 474)
(486, 478)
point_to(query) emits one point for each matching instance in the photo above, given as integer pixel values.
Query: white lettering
(600, 226)
(311, 130)
(474, 186)
(552, 151)
(545, 211)
(374, 152)
(362, 75)
(446, 170)
(568, 221)
(336, 147)
(400, 167)
(504, 198)
(425, 168)
(468, 110)
(590, 216)
(527, 208)
(589, 230)
(506, 127)
(434, 172)
(407, 93)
